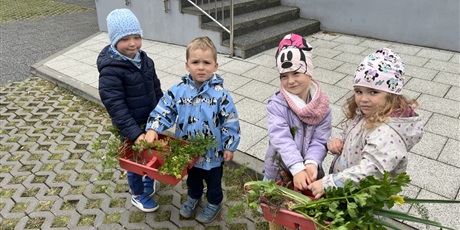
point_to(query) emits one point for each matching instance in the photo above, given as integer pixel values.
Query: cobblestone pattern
(50, 177)
(31, 9)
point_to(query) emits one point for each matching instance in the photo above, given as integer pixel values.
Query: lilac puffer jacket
(309, 142)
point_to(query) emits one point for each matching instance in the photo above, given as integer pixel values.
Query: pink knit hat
(382, 70)
(294, 54)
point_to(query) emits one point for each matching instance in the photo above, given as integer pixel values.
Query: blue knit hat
(121, 23)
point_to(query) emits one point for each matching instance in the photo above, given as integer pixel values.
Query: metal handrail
(208, 14)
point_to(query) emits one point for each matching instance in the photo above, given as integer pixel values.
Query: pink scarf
(313, 112)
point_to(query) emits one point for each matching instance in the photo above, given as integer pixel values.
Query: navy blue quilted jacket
(128, 93)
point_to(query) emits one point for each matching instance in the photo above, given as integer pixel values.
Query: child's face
(129, 45)
(368, 99)
(201, 65)
(296, 83)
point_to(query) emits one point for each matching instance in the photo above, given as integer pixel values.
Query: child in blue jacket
(199, 103)
(129, 89)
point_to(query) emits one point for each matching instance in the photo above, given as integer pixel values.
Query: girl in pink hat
(382, 125)
(299, 117)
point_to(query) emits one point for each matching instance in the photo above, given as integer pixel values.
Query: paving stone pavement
(50, 177)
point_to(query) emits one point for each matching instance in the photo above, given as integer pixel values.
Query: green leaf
(403, 216)
(390, 225)
(410, 200)
(352, 210)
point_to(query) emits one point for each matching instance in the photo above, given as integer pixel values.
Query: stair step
(260, 40)
(239, 6)
(256, 20)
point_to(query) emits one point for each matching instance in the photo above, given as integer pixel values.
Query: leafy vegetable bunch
(354, 206)
(176, 153)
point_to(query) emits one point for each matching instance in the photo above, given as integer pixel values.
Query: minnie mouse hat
(382, 70)
(294, 54)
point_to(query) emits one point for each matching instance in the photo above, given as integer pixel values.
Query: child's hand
(151, 136)
(312, 172)
(228, 155)
(335, 146)
(300, 180)
(139, 138)
(317, 188)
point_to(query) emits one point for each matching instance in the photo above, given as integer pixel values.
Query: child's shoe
(209, 213)
(188, 207)
(149, 185)
(144, 203)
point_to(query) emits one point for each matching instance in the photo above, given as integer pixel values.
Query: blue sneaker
(144, 203)
(209, 213)
(149, 185)
(188, 207)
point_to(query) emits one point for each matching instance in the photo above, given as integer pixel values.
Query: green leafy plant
(354, 206)
(176, 153)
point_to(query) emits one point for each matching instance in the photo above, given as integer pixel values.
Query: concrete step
(252, 43)
(245, 23)
(258, 24)
(239, 7)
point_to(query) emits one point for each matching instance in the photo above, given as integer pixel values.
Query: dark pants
(213, 179)
(135, 183)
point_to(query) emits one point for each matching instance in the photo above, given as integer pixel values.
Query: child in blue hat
(129, 89)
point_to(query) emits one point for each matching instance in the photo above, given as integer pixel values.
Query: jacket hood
(410, 129)
(105, 58)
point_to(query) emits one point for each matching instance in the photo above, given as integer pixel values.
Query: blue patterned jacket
(208, 109)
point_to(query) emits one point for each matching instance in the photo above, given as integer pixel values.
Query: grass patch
(77, 190)
(26, 168)
(234, 194)
(100, 188)
(30, 192)
(106, 176)
(238, 226)
(69, 204)
(9, 223)
(165, 199)
(48, 167)
(69, 166)
(6, 168)
(80, 147)
(60, 221)
(14, 139)
(118, 202)
(87, 220)
(35, 223)
(56, 156)
(62, 177)
(162, 216)
(90, 165)
(40, 179)
(35, 157)
(112, 218)
(137, 217)
(84, 176)
(20, 207)
(62, 147)
(18, 179)
(53, 191)
(15, 157)
(93, 203)
(44, 206)
(120, 188)
(76, 156)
